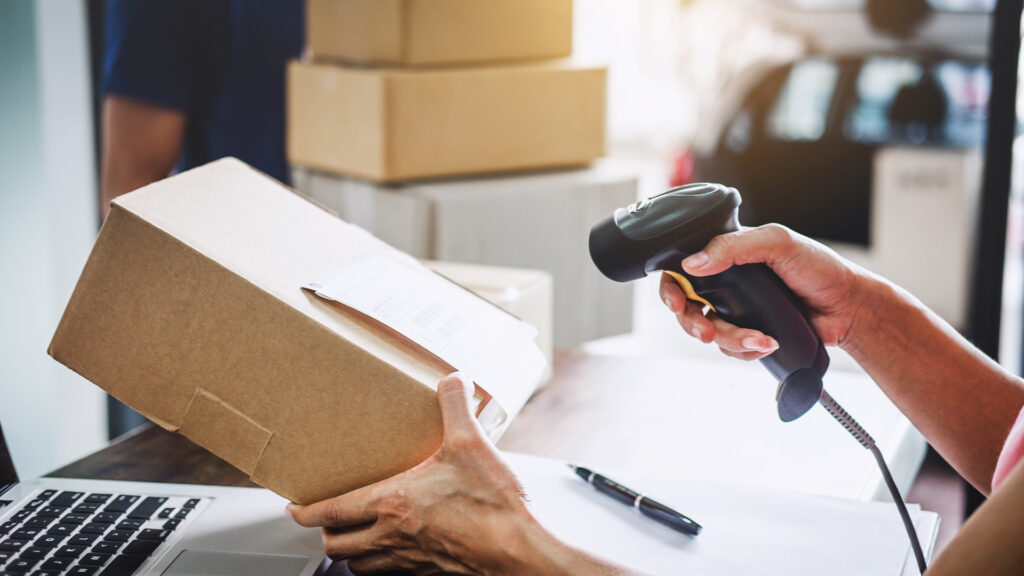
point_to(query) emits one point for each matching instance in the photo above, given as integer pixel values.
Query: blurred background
(858, 122)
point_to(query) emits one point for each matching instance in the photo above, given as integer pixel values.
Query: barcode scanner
(659, 232)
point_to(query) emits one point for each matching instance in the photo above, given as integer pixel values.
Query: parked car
(799, 137)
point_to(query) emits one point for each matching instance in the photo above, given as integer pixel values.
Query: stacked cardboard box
(395, 91)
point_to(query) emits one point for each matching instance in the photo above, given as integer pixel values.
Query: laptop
(67, 527)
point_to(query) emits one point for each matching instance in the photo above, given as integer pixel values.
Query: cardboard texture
(391, 125)
(190, 311)
(539, 221)
(415, 32)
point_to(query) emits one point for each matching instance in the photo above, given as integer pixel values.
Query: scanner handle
(752, 296)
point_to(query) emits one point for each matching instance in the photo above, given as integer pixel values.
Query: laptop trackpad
(202, 563)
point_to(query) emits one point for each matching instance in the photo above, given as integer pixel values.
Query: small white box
(539, 221)
(526, 294)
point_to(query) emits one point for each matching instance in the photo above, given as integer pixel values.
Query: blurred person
(462, 511)
(189, 81)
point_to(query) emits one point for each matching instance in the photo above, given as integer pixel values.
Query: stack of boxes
(399, 101)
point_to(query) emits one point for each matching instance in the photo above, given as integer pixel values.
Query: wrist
(534, 550)
(872, 296)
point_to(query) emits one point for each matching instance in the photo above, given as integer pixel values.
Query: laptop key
(6, 555)
(8, 527)
(172, 524)
(121, 504)
(56, 563)
(154, 534)
(94, 528)
(83, 539)
(48, 541)
(141, 547)
(69, 551)
(105, 518)
(35, 504)
(145, 510)
(20, 566)
(130, 524)
(105, 547)
(123, 566)
(26, 533)
(21, 515)
(83, 570)
(165, 513)
(118, 536)
(47, 494)
(98, 498)
(35, 553)
(38, 522)
(66, 498)
(51, 512)
(61, 530)
(13, 544)
(87, 508)
(192, 503)
(72, 518)
(94, 559)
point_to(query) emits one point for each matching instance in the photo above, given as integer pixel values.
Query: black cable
(865, 439)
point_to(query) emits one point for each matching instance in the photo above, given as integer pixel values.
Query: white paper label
(492, 347)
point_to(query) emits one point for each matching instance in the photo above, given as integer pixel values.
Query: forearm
(141, 144)
(962, 401)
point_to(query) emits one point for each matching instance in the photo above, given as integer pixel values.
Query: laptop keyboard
(82, 534)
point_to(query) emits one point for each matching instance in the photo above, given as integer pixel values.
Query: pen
(650, 508)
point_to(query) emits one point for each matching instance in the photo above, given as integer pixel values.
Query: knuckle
(779, 233)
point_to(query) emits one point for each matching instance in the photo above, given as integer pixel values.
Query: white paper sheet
(746, 530)
(493, 348)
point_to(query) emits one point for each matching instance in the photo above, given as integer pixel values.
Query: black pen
(650, 508)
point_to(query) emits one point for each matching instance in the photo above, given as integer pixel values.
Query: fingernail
(760, 344)
(697, 333)
(697, 260)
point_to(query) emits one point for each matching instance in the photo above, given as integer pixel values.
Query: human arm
(141, 143)
(964, 403)
(461, 511)
(990, 541)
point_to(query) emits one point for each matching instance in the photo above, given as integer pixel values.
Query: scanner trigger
(688, 290)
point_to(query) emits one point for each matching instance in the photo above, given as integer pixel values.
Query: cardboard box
(527, 294)
(390, 125)
(539, 221)
(191, 309)
(412, 32)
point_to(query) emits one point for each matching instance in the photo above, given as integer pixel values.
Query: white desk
(711, 420)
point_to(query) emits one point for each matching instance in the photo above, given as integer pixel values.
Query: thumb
(455, 395)
(767, 244)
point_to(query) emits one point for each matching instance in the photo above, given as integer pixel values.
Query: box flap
(225, 431)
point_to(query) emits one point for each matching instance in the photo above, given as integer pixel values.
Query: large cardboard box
(411, 32)
(192, 310)
(540, 221)
(390, 125)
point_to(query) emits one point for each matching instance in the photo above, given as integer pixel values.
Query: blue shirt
(220, 62)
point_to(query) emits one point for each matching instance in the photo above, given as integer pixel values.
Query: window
(801, 112)
(878, 83)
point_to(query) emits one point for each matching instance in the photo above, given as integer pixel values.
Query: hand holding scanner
(659, 232)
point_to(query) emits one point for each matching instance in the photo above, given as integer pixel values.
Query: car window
(801, 112)
(967, 86)
(878, 83)
(900, 100)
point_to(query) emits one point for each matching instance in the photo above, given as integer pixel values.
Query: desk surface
(671, 417)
